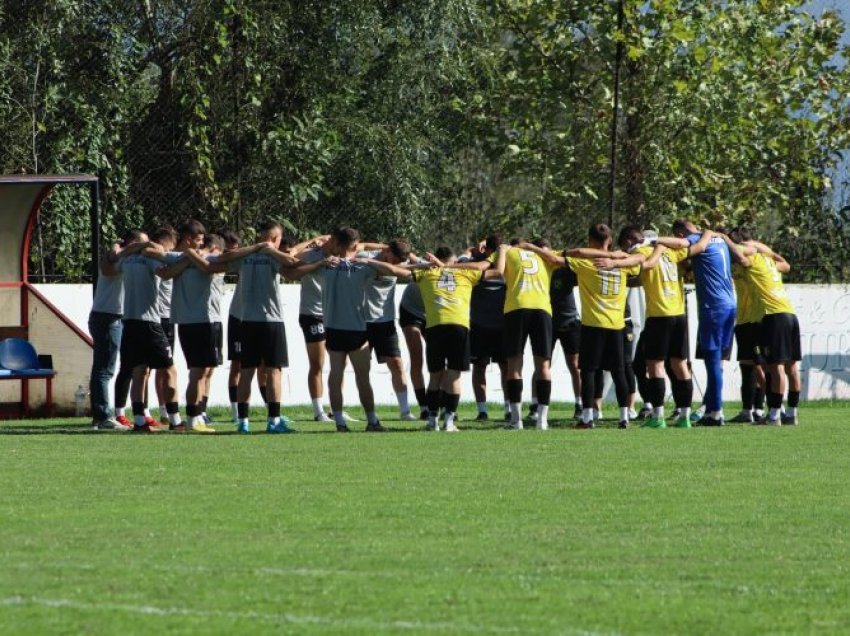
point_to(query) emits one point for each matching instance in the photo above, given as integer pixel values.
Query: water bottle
(80, 401)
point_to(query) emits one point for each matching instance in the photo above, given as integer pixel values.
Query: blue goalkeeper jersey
(713, 274)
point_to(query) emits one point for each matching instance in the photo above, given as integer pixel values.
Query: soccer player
(566, 326)
(411, 319)
(486, 319)
(665, 334)
(780, 333)
(717, 308)
(747, 337)
(380, 320)
(262, 333)
(446, 292)
(105, 327)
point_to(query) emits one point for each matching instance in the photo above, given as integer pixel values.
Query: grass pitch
(706, 531)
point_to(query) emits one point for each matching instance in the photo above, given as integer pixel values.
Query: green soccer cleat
(682, 422)
(654, 422)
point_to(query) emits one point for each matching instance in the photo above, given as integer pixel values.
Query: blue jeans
(105, 330)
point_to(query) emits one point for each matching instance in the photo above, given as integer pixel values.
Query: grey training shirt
(380, 294)
(192, 297)
(166, 286)
(141, 287)
(411, 300)
(109, 295)
(344, 295)
(311, 285)
(259, 289)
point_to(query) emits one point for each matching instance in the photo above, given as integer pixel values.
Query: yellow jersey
(662, 285)
(602, 293)
(766, 282)
(527, 278)
(446, 294)
(750, 308)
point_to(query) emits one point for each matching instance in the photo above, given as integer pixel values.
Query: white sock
(791, 411)
(163, 412)
(317, 406)
(685, 412)
(717, 415)
(597, 414)
(516, 411)
(147, 411)
(273, 421)
(624, 413)
(647, 405)
(339, 418)
(372, 417)
(587, 415)
(403, 404)
(578, 404)
(244, 421)
(119, 411)
(774, 413)
(482, 407)
(658, 412)
(701, 409)
(174, 418)
(507, 406)
(449, 418)
(235, 410)
(542, 413)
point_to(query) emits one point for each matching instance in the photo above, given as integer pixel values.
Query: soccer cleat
(432, 425)
(109, 424)
(644, 412)
(697, 415)
(207, 418)
(532, 416)
(145, 428)
(482, 416)
(408, 417)
(584, 425)
(707, 420)
(514, 426)
(681, 422)
(177, 428)
(654, 422)
(676, 413)
(623, 424)
(201, 427)
(348, 418)
(542, 426)
(744, 417)
(123, 420)
(280, 427)
(342, 428)
(322, 417)
(789, 420)
(633, 414)
(243, 427)
(376, 427)
(163, 420)
(452, 428)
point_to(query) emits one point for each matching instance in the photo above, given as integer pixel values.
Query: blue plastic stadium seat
(18, 355)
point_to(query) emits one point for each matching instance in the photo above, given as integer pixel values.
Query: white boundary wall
(823, 310)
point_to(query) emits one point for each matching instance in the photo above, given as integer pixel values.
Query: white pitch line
(293, 619)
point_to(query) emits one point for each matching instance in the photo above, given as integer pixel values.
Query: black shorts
(405, 319)
(168, 329)
(264, 343)
(201, 344)
(780, 338)
(485, 345)
(628, 344)
(312, 327)
(524, 324)
(601, 349)
(447, 347)
(666, 337)
(234, 338)
(748, 337)
(344, 340)
(383, 338)
(569, 337)
(726, 354)
(145, 343)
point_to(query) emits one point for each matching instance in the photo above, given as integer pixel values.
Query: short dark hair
(163, 233)
(231, 238)
(680, 226)
(192, 227)
(444, 253)
(400, 248)
(515, 240)
(345, 237)
(492, 242)
(630, 235)
(541, 242)
(131, 236)
(599, 232)
(269, 225)
(213, 241)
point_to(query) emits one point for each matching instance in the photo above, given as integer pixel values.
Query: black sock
(204, 401)
(747, 386)
(231, 392)
(514, 391)
(621, 387)
(588, 379)
(631, 381)
(793, 398)
(774, 400)
(758, 398)
(599, 384)
(242, 410)
(432, 399)
(544, 391)
(192, 410)
(421, 397)
(452, 400)
(444, 397)
(683, 393)
(138, 408)
(274, 409)
(263, 394)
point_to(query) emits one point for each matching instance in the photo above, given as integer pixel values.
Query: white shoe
(452, 428)
(542, 426)
(109, 424)
(632, 415)
(348, 418)
(408, 417)
(323, 417)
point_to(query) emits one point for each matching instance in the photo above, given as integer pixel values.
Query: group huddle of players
(481, 306)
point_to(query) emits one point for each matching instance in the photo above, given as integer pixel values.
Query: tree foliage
(437, 119)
